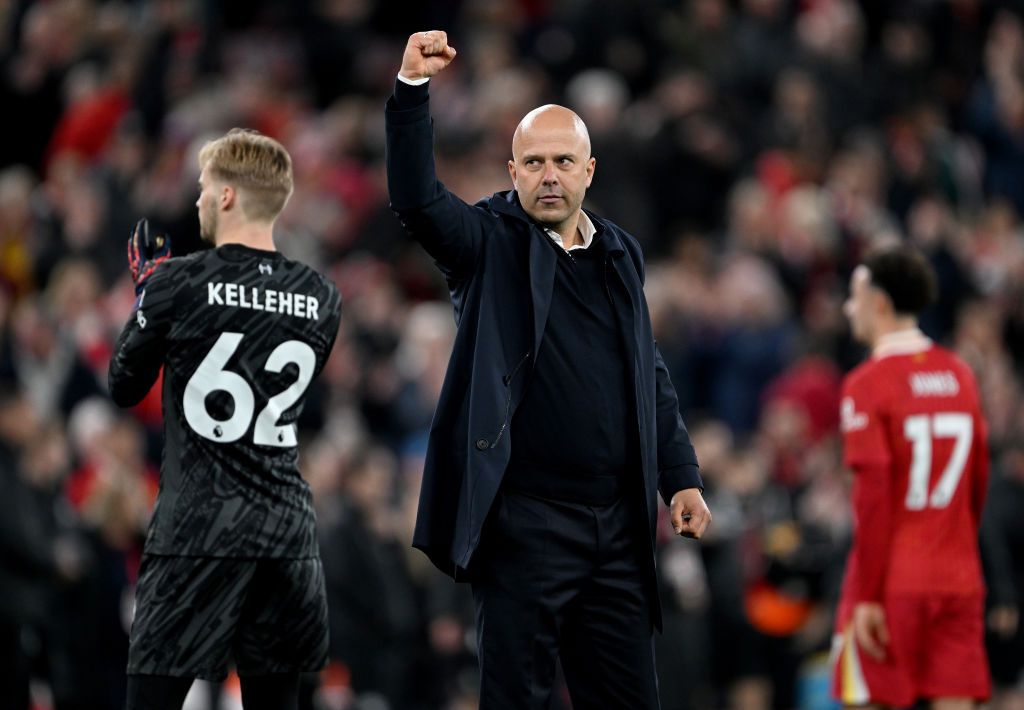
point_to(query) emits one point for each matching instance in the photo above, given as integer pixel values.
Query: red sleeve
(866, 452)
(980, 456)
(873, 513)
(861, 420)
(979, 460)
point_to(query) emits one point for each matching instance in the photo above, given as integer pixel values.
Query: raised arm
(450, 230)
(139, 353)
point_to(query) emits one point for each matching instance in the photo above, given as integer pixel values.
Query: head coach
(557, 425)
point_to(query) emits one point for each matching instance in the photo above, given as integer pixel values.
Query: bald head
(551, 167)
(551, 121)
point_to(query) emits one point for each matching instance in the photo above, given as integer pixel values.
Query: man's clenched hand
(426, 53)
(690, 515)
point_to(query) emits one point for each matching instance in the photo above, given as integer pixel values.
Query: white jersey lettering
(934, 384)
(213, 294)
(253, 298)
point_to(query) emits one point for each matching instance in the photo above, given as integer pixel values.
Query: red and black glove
(146, 250)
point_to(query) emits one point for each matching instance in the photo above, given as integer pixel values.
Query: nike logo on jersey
(291, 304)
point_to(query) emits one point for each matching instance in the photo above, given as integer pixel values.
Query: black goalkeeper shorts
(195, 615)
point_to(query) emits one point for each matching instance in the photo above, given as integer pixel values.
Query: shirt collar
(902, 342)
(587, 231)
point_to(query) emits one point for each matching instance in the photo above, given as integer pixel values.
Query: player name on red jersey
(934, 384)
(299, 305)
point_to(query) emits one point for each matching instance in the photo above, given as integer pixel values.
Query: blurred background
(757, 148)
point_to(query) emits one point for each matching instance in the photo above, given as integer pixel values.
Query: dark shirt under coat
(574, 432)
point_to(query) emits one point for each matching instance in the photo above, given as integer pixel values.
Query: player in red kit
(910, 619)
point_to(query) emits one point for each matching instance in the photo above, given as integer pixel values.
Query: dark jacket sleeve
(997, 523)
(677, 461)
(450, 230)
(139, 353)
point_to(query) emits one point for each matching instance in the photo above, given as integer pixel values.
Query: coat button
(481, 444)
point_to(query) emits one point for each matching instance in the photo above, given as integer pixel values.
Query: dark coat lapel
(542, 260)
(542, 282)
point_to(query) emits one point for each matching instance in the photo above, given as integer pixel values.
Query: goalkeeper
(231, 572)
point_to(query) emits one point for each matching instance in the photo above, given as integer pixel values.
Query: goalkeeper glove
(146, 250)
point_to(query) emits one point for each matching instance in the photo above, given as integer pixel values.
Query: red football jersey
(915, 438)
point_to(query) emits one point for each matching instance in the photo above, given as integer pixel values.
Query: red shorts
(936, 650)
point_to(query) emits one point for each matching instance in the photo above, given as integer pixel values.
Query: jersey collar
(902, 342)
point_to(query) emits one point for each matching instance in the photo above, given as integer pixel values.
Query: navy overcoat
(500, 274)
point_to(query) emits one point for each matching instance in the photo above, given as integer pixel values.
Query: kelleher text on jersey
(232, 294)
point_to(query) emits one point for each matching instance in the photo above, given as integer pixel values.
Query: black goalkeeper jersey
(240, 334)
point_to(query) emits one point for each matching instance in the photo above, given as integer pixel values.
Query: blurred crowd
(757, 148)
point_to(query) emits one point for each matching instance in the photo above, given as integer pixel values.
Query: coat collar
(542, 256)
(507, 203)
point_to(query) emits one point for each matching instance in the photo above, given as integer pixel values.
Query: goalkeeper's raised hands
(146, 250)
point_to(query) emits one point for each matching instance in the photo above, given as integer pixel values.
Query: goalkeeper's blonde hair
(254, 164)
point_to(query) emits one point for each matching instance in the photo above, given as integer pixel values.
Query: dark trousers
(556, 579)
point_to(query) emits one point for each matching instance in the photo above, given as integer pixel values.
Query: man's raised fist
(426, 53)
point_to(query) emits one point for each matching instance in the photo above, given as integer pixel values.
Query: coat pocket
(508, 380)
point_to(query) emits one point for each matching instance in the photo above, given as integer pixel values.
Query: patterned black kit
(231, 569)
